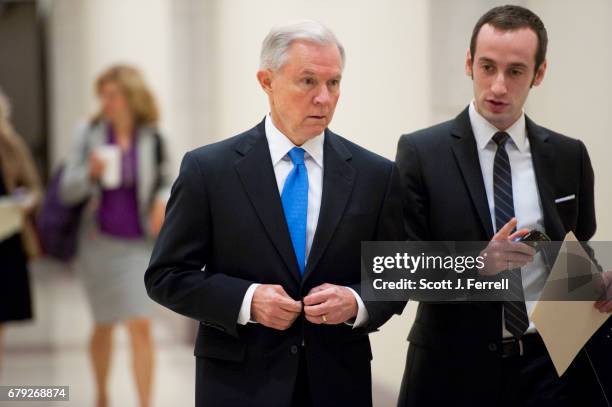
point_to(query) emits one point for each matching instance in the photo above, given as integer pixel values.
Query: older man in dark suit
(261, 242)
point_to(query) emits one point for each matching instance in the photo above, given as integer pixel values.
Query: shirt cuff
(362, 312)
(244, 316)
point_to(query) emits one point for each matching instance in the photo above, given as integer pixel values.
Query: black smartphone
(534, 236)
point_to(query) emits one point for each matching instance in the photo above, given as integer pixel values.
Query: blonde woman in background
(117, 234)
(18, 180)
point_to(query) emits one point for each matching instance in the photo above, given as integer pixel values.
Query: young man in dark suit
(477, 178)
(261, 241)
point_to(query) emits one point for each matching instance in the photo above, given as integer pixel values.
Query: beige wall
(574, 98)
(86, 37)
(384, 86)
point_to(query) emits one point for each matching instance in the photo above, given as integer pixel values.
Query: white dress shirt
(525, 194)
(280, 146)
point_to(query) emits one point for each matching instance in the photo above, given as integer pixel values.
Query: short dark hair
(508, 18)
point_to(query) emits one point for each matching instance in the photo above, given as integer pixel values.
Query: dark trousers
(531, 380)
(301, 392)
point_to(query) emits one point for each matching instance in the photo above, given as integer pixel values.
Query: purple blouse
(118, 212)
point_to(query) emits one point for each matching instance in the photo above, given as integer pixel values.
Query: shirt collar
(280, 145)
(484, 131)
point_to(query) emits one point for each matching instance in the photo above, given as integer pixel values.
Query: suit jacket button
(294, 349)
(492, 347)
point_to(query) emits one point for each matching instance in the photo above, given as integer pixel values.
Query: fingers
(518, 233)
(503, 249)
(318, 297)
(289, 305)
(96, 165)
(95, 160)
(277, 319)
(506, 230)
(320, 288)
(318, 320)
(285, 302)
(318, 310)
(272, 307)
(517, 258)
(508, 261)
(522, 248)
(604, 306)
(606, 282)
(277, 323)
(336, 304)
(283, 315)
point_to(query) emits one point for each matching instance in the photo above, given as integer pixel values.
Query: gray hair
(276, 44)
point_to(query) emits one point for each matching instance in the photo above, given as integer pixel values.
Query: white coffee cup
(111, 155)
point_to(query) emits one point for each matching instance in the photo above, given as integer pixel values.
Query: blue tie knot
(297, 155)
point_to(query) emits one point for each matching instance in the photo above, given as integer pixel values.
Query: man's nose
(499, 85)
(323, 96)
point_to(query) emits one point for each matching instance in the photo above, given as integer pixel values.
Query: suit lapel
(338, 180)
(544, 167)
(466, 154)
(257, 175)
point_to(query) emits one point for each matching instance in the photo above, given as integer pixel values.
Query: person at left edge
(261, 241)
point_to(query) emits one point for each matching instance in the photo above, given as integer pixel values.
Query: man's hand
(272, 307)
(330, 304)
(503, 254)
(605, 305)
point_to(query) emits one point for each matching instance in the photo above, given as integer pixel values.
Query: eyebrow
(309, 72)
(518, 65)
(512, 65)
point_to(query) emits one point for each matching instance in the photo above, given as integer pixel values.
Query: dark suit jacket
(225, 214)
(456, 347)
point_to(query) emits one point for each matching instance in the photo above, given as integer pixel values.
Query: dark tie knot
(297, 155)
(500, 138)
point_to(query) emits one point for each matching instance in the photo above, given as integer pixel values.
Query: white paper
(566, 326)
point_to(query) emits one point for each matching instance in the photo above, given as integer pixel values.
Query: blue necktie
(515, 311)
(295, 204)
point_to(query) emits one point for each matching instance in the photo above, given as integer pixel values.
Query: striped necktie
(515, 311)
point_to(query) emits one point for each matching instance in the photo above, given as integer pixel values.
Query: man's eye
(308, 81)
(334, 82)
(516, 72)
(487, 68)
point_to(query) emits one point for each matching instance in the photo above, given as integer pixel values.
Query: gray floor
(52, 349)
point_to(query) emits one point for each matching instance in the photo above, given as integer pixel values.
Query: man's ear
(264, 77)
(539, 75)
(468, 64)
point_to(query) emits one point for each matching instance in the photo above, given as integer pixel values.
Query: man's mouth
(496, 105)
